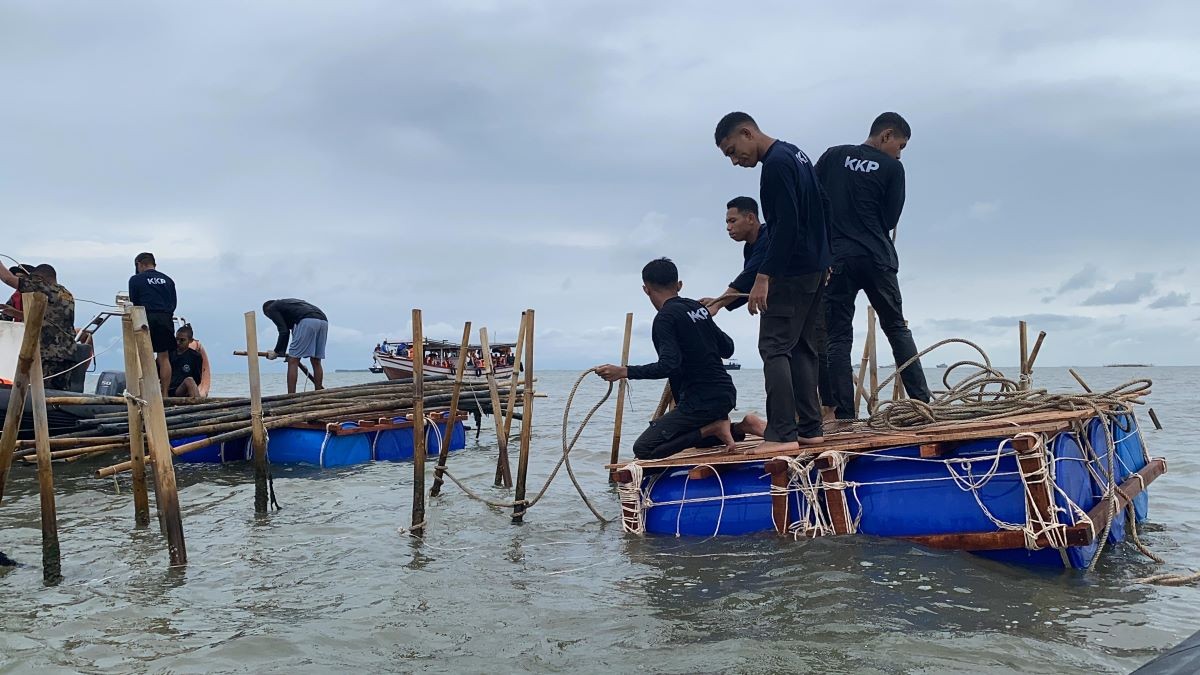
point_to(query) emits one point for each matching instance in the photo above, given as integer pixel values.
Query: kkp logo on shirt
(864, 165)
(700, 314)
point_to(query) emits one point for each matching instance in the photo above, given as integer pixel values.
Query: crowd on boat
(827, 233)
(66, 350)
(448, 358)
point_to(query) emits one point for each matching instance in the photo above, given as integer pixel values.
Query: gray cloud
(1084, 279)
(1172, 299)
(1124, 292)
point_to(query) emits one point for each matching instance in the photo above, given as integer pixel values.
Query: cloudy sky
(473, 158)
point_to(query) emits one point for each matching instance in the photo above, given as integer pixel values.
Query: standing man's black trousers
(787, 342)
(883, 290)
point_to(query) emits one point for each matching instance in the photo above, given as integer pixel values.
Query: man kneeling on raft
(690, 347)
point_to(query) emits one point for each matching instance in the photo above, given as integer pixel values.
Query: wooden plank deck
(934, 440)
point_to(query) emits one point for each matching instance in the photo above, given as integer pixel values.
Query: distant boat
(441, 358)
(732, 364)
(941, 365)
(376, 368)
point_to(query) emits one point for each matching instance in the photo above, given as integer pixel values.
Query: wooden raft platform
(934, 441)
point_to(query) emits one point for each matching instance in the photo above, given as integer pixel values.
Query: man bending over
(690, 347)
(309, 331)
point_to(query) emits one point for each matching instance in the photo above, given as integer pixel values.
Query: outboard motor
(111, 383)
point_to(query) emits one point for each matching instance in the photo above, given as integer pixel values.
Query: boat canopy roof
(442, 344)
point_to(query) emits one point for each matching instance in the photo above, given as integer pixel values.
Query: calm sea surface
(328, 584)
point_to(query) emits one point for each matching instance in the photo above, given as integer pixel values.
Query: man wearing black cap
(155, 291)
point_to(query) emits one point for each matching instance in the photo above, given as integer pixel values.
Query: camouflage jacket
(58, 327)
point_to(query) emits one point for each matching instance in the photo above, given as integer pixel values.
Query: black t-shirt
(153, 290)
(866, 189)
(286, 313)
(185, 365)
(690, 347)
(797, 209)
(752, 257)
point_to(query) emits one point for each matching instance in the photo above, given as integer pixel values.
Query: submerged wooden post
(418, 507)
(452, 418)
(258, 433)
(137, 444)
(494, 393)
(526, 422)
(620, 414)
(35, 310)
(502, 464)
(160, 441)
(51, 557)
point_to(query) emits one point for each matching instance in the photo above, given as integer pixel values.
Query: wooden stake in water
(159, 439)
(526, 422)
(617, 419)
(258, 433)
(418, 508)
(137, 444)
(494, 393)
(452, 415)
(51, 558)
(503, 470)
(35, 310)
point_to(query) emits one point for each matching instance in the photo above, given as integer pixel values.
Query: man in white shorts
(309, 329)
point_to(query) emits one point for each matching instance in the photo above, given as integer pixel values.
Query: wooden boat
(441, 358)
(978, 486)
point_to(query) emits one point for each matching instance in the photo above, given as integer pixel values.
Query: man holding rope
(865, 184)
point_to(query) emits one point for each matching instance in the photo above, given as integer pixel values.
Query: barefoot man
(690, 347)
(787, 288)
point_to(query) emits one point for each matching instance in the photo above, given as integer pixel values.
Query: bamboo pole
(160, 443)
(873, 399)
(664, 402)
(35, 311)
(418, 507)
(860, 382)
(51, 556)
(1033, 354)
(1079, 379)
(258, 433)
(452, 415)
(501, 439)
(526, 423)
(137, 444)
(620, 414)
(303, 368)
(503, 467)
(1023, 331)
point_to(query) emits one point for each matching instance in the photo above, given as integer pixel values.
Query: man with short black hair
(789, 282)
(58, 345)
(309, 330)
(155, 291)
(865, 184)
(690, 347)
(187, 365)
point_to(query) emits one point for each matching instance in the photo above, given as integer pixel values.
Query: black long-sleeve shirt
(797, 209)
(288, 312)
(752, 257)
(153, 290)
(866, 189)
(690, 347)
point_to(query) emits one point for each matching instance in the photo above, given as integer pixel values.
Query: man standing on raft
(690, 347)
(790, 280)
(309, 329)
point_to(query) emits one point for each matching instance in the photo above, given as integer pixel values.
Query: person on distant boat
(58, 344)
(309, 329)
(12, 310)
(690, 347)
(186, 365)
(790, 280)
(155, 291)
(865, 184)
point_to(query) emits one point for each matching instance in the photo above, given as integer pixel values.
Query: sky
(474, 158)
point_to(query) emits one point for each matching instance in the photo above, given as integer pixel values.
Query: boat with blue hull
(1040, 489)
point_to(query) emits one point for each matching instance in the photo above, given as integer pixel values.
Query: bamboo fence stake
(873, 400)
(160, 441)
(494, 393)
(258, 433)
(418, 507)
(860, 382)
(526, 423)
(452, 415)
(137, 444)
(1023, 330)
(1037, 347)
(1154, 418)
(664, 402)
(1079, 379)
(502, 464)
(51, 556)
(620, 414)
(35, 311)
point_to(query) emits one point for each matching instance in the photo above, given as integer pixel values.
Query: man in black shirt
(690, 347)
(309, 329)
(155, 291)
(186, 365)
(865, 184)
(790, 280)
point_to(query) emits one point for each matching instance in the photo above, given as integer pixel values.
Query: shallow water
(329, 583)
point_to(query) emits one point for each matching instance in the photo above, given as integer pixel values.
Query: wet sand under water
(329, 583)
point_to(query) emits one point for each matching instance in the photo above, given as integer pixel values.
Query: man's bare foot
(721, 430)
(837, 426)
(828, 413)
(773, 446)
(753, 424)
(811, 440)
